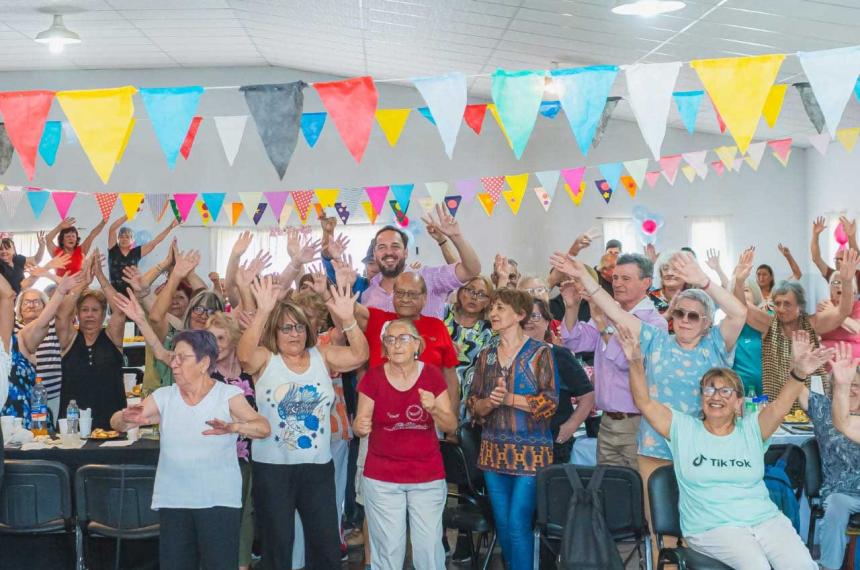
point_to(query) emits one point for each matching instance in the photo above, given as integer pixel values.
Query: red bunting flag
(351, 104)
(493, 186)
(25, 113)
(63, 201)
(106, 203)
(185, 149)
(720, 120)
(302, 200)
(474, 116)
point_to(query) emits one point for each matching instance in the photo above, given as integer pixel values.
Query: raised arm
(65, 319)
(850, 227)
(252, 356)
(449, 254)
(7, 315)
(88, 242)
(818, 226)
(712, 259)
(247, 422)
(830, 320)
(756, 317)
(36, 258)
(133, 310)
(114, 228)
(657, 414)
(51, 238)
(153, 243)
(240, 246)
(301, 250)
(143, 414)
(796, 273)
(804, 361)
(469, 265)
(581, 242)
(246, 275)
(32, 335)
(345, 358)
(844, 374)
(185, 264)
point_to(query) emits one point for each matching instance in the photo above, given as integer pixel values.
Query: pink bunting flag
(720, 120)
(652, 177)
(493, 185)
(276, 201)
(377, 195)
(669, 165)
(24, 114)
(185, 149)
(184, 203)
(573, 177)
(781, 149)
(718, 167)
(351, 104)
(63, 201)
(106, 202)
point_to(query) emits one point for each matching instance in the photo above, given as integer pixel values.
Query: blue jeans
(513, 498)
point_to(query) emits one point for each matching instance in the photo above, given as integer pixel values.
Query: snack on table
(100, 433)
(796, 417)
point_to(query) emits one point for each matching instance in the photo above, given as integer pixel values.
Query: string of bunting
(350, 203)
(741, 90)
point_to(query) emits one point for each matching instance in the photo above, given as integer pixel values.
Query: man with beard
(390, 254)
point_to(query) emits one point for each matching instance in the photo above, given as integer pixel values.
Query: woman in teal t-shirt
(726, 512)
(747, 363)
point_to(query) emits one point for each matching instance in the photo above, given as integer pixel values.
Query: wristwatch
(610, 330)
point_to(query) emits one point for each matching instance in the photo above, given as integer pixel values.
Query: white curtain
(711, 232)
(623, 230)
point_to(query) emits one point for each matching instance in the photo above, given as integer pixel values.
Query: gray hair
(835, 275)
(646, 267)
(125, 230)
(755, 291)
(786, 287)
(202, 343)
(700, 297)
(19, 301)
(662, 261)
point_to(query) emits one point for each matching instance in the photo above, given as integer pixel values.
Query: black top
(117, 262)
(92, 375)
(572, 382)
(14, 273)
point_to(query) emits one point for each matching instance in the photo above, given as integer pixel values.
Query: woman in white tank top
(292, 468)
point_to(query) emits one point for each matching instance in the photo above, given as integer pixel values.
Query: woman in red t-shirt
(401, 404)
(69, 242)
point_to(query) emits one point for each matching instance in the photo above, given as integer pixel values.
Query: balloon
(648, 224)
(142, 237)
(840, 235)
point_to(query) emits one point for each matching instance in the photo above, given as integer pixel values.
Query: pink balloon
(649, 226)
(840, 235)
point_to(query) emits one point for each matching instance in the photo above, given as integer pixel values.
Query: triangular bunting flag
(669, 166)
(102, 120)
(474, 116)
(276, 202)
(755, 153)
(833, 75)
(652, 177)
(549, 182)
(277, 110)
(24, 114)
(342, 212)
(235, 211)
(427, 204)
(12, 200)
(487, 203)
(402, 194)
(689, 172)
(157, 205)
(376, 195)
(106, 203)
(63, 201)
(250, 200)
(6, 149)
(573, 179)
(437, 190)
(230, 129)
(517, 96)
(738, 165)
(369, 211)
(495, 113)
(611, 103)
(171, 112)
(175, 209)
(611, 172)
(493, 186)
(327, 197)
(445, 96)
(38, 199)
(399, 216)
(604, 189)
(284, 218)
(810, 105)
(636, 169)
(697, 161)
(203, 210)
(543, 197)
(821, 142)
(184, 203)
(584, 93)
(649, 87)
(739, 87)
(185, 149)
(258, 213)
(848, 138)
(392, 121)
(718, 167)
(312, 125)
(214, 202)
(773, 103)
(425, 112)
(630, 185)
(514, 196)
(131, 203)
(302, 199)
(720, 122)
(351, 104)
(575, 195)
(50, 141)
(688, 103)
(467, 189)
(727, 155)
(453, 204)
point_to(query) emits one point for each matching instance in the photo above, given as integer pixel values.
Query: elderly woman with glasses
(401, 405)
(198, 483)
(726, 510)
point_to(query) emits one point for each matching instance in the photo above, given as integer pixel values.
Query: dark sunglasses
(681, 314)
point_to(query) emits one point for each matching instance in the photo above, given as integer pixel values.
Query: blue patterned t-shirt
(840, 457)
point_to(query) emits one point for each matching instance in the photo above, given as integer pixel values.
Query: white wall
(764, 207)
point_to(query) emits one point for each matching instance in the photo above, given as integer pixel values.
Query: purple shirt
(611, 372)
(440, 282)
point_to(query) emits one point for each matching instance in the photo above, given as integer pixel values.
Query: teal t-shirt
(748, 359)
(720, 478)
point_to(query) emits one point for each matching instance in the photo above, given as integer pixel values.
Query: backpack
(779, 487)
(587, 543)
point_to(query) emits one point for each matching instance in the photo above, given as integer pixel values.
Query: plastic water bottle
(39, 409)
(73, 414)
(749, 402)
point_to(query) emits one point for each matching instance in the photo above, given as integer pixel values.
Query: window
(710, 233)
(275, 243)
(623, 230)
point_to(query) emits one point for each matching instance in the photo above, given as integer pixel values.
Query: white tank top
(298, 407)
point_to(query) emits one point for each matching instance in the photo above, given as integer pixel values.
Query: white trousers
(386, 506)
(838, 507)
(773, 543)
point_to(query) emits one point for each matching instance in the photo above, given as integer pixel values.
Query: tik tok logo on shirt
(716, 462)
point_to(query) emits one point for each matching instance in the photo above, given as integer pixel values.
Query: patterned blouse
(468, 342)
(22, 378)
(513, 441)
(840, 457)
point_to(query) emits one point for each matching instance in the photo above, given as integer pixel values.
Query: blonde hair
(726, 374)
(96, 294)
(224, 321)
(269, 339)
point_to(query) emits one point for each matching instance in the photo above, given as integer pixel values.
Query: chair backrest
(36, 496)
(813, 475)
(795, 467)
(454, 460)
(623, 499)
(470, 442)
(663, 496)
(97, 492)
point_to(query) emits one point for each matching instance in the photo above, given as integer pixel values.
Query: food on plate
(796, 417)
(99, 433)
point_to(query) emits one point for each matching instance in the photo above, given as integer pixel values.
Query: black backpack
(587, 543)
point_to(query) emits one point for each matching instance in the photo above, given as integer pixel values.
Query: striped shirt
(49, 361)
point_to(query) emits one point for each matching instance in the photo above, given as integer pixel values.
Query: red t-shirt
(74, 264)
(402, 446)
(438, 348)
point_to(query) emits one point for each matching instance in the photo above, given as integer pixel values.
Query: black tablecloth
(142, 452)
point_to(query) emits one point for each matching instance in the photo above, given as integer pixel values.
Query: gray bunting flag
(810, 103)
(611, 102)
(277, 112)
(6, 149)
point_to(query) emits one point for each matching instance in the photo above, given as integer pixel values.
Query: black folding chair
(795, 465)
(666, 520)
(623, 503)
(473, 513)
(114, 501)
(812, 481)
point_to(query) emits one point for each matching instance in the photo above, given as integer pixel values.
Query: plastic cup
(86, 426)
(86, 413)
(129, 380)
(133, 434)
(64, 426)
(7, 424)
(19, 424)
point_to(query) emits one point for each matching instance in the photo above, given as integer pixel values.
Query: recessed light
(58, 36)
(647, 8)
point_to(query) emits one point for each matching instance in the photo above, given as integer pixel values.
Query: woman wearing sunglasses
(726, 511)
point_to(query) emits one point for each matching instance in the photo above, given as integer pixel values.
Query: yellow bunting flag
(727, 155)
(327, 196)
(492, 108)
(235, 211)
(689, 172)
(131, 202)
(205, 216)
(629, 183)
(575, 197)
(848, 138)
(371, 213)
(392, 121)
(773, 103)
(103, 120)
(514, 196)
(739, 87)
(487, 202)
(286, 212)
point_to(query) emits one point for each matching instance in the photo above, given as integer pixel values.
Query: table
(142, 452)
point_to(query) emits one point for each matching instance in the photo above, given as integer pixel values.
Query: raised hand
(850, 259)
(497, 396)
(712, 259)
(804, 358)
(501, 266)
(265, 294)
(444, 222)
(68, 223)
(133, 415)
(688, 269)
(337, 246)
(185, 263)
(219, 427)
(428, 400)
(434, 233)
(850, 226)
(581, 242)
(651, 253)
(570, 294)
(60, 261)
(818, 225)
(242, 244)
(320, 279)
(293, 243)
(131, 275)
(629, 342)
(309, 250)
(344, 273)
(844, 365)
(41, 238)
(745, 264)
(130, 306)
(565, 264)
(245, 318)
(328, 224)
(783, 250)
(416, 265)
(342, 303)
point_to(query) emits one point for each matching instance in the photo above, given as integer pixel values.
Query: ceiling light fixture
(647, 8)
(58, 36)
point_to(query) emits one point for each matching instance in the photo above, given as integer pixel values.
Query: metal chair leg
(80, 563)
(490, 551)
(649, 558)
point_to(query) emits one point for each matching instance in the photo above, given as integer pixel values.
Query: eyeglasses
(536, 291)
(534, 317)
(31, 302)
(725, 391)
(681, 314)
(288, 329)
(411, 295)
(201, 310)
(181, 357)
(401, 339)
(475, 294)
